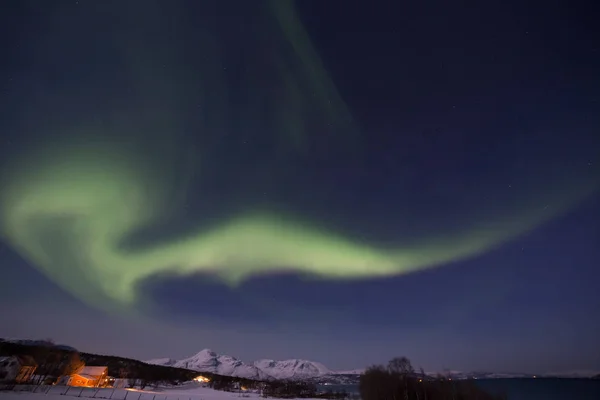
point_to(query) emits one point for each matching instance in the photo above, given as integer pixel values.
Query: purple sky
(467, 113)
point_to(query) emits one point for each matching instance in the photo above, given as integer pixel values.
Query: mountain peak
(206, 353)
(169, 362)
(293, 369)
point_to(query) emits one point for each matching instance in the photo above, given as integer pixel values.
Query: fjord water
(544, 389)
(527, 389)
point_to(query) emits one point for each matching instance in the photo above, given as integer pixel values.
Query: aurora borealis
(71, 208)
(192, 142)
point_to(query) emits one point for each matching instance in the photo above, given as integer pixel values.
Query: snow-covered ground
(190, 391)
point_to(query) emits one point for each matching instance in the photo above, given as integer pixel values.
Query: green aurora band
(67, 208)
(67, 213)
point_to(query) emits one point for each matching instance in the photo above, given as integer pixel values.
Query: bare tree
(423, 379)
(400, 366)
(49, 361)
(398, 381)
(72, 365)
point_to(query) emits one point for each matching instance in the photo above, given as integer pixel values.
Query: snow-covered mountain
(350, 372)
(168, 362)
(293, 369)
(512, 375)
(574, 374)
(209, 361)
(478, 375)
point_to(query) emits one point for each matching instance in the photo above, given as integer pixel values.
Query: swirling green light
(69, 207)
(69, 212)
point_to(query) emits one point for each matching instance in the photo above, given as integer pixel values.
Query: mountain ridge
(209, 361)
(304, 370)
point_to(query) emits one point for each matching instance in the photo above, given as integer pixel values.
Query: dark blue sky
(465, 119)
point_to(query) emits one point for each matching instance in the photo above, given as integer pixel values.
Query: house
(201, 379)
(17, 368)
(89, 377)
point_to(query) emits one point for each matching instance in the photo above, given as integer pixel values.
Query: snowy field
(184, 392)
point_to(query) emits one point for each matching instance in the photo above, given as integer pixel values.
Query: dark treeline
(297, 390)
(399, 381)
(56, 361)
(281, 389)
(232, 383)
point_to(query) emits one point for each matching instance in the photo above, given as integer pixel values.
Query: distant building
(116, 383)
(17, 368)
(90, 377)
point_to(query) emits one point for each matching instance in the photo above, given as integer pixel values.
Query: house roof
(92, 371)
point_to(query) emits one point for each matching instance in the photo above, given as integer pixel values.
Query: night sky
(339, 181)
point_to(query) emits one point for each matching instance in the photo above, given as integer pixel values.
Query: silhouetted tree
(400, 366)
(290, 390)
(225, 383)
(72, 365)
(49, 361)
(399, 382)
(423, 378)
(375, 383)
